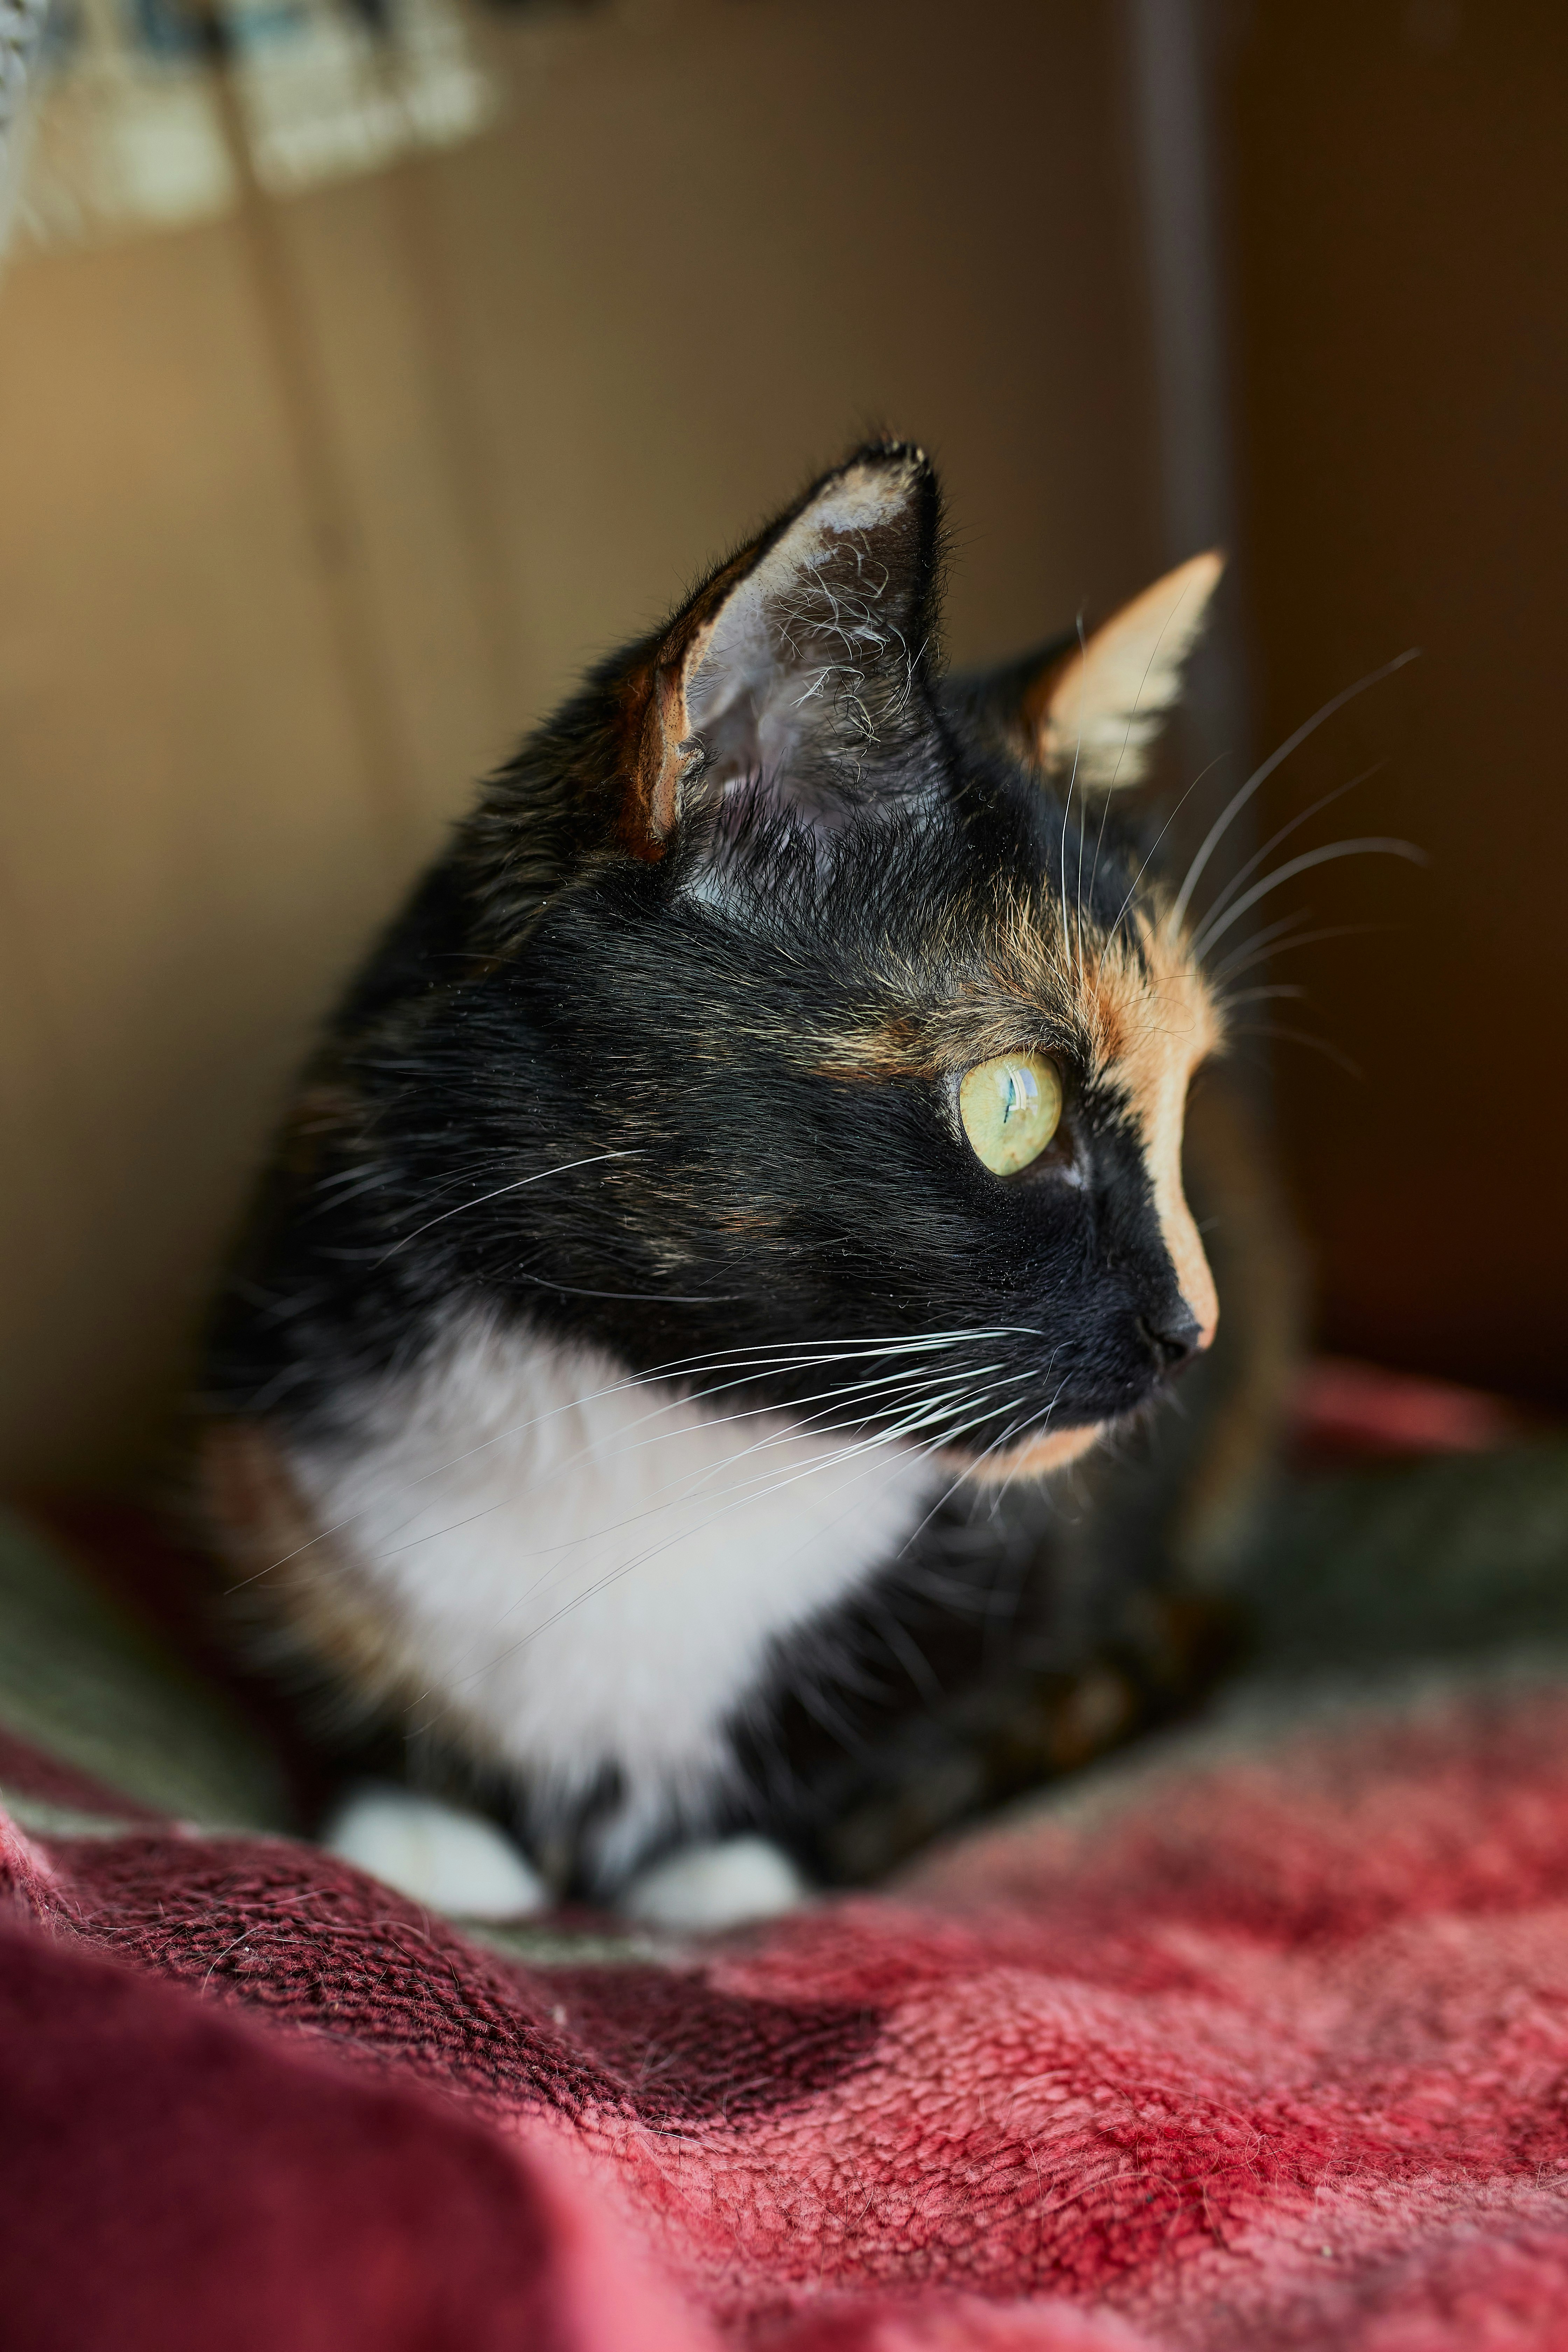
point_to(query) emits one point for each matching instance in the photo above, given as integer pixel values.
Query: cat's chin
(1035, 1459)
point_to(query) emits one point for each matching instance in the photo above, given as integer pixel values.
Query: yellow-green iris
(1011, 1107)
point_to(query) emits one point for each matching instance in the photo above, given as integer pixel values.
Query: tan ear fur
(1096, 713)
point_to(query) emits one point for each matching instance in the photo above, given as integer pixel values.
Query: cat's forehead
(913, 947)
(1125, 1003)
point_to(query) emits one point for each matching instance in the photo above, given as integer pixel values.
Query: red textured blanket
(1253, 2044)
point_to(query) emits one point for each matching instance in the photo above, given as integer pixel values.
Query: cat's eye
(1011, 1107)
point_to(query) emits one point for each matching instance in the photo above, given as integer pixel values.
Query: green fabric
(1451, 1560)
(556, 1947)
(83, 1681)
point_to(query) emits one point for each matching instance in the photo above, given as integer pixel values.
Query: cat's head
(839, 997)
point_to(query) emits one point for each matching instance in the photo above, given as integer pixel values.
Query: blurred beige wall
(305, 515)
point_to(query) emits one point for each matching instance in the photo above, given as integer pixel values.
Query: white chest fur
(594, 1569)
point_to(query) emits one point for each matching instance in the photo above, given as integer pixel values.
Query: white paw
(456, 1862)
(716, 1886)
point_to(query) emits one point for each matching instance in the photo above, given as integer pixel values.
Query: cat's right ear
(798, 667)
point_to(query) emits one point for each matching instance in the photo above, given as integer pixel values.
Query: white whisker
(1072, 779)
(1127, 738)
(1260, 775)
(756, 1489)
(1239, 879)
(1159, 837)
(1240, 959)
(1304, 1037)
(752, 1361)
(464, 1206)
(1375, 846)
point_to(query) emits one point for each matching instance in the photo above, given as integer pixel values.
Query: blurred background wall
(309, 507)
(1398, 219)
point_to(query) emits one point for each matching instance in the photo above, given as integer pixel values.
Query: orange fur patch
(1166, 1024)
(1036, 1457)
(298, 1580)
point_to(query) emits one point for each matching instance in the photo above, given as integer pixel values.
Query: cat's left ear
(799, 665)
(1092, 710)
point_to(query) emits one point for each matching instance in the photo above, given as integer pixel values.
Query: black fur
(696, 1098)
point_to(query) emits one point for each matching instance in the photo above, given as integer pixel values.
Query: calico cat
(744, 1179)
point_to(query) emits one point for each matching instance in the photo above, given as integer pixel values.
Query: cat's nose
(1172, 1336)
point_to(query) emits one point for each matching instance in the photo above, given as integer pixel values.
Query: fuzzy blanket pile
(1258, 2037)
